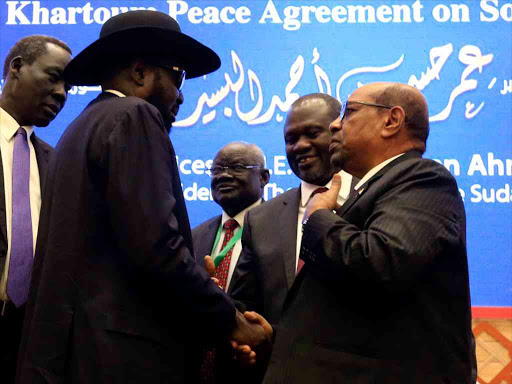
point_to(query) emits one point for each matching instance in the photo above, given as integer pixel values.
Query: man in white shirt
(33, 94)
(272, 232)
(238, 178)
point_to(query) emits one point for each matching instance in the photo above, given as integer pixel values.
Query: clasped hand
(252, 332)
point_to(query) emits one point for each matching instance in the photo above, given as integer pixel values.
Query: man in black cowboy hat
(115, 292)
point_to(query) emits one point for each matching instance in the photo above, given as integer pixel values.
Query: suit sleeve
(418, 217)
(138, 163)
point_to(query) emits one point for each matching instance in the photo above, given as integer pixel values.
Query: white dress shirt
(237, 248)
(306, 189)
(374, 171)
(8, 129)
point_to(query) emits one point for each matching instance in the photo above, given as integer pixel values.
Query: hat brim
(91, 65)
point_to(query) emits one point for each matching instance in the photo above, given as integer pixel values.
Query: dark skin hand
(325, 200)
(210, 268)
(252, 329)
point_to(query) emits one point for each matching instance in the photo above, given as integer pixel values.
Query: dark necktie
(207, 372)
(21, 258)
(300, 263)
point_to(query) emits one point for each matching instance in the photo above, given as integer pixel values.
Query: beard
(157, 99)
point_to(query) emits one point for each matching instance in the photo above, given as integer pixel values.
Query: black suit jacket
(43, 152)
(115, 289)
(226, 370)
(384, 294)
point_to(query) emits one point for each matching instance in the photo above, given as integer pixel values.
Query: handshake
(252, 335)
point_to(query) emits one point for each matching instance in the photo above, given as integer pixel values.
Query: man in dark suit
(238, 178)
(115, 291)
(384, 295)
(272, 234)
(33, 94)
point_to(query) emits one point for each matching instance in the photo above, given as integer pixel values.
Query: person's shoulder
(201, 228)
(422, 164)
(286, 197)
(42, 144)
(126, 104)
(423, 168)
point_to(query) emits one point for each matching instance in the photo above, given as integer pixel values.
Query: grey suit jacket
(266, 267)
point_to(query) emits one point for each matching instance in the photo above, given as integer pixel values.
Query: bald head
(381, 120)
(414, 105)
(250, 152)
(239, 176)
(312, 99)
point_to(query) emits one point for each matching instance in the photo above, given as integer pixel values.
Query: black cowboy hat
(140, 34)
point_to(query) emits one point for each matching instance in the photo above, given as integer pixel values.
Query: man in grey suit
(238, 177)
(271, 239)
(384, 294)
(33, 94)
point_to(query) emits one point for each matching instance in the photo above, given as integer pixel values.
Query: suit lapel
(3, 219)
(350, 202)
(209, 237)
(42, 157)
(288, 235)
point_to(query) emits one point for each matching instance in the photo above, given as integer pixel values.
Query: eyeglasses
(180, 73)
(234, 170)
(345, 104)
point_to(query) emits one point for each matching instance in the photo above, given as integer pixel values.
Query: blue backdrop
(457, 53)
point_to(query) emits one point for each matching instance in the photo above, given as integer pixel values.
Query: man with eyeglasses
(238, 177)
(383, 296)
(116, 292)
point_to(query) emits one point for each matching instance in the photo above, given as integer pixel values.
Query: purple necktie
(20, 262)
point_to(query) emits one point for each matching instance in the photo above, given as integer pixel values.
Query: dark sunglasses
(179, 73)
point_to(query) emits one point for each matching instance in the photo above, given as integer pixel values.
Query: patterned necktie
(207, 372)
(20, 262)
(300, 263)
(221, 272)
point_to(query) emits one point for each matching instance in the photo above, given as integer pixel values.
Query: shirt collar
(115, 92)
(239, 217)
(9, 126)
(306, 189)
(374, 171)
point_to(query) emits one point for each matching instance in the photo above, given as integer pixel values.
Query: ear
(140, 73)
(15, 66)
(394, 122)
(264, 177)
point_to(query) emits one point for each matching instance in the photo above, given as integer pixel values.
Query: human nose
(222, 173)
(180, 98)
(302, 145)
(336, 125)
(60, 93)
